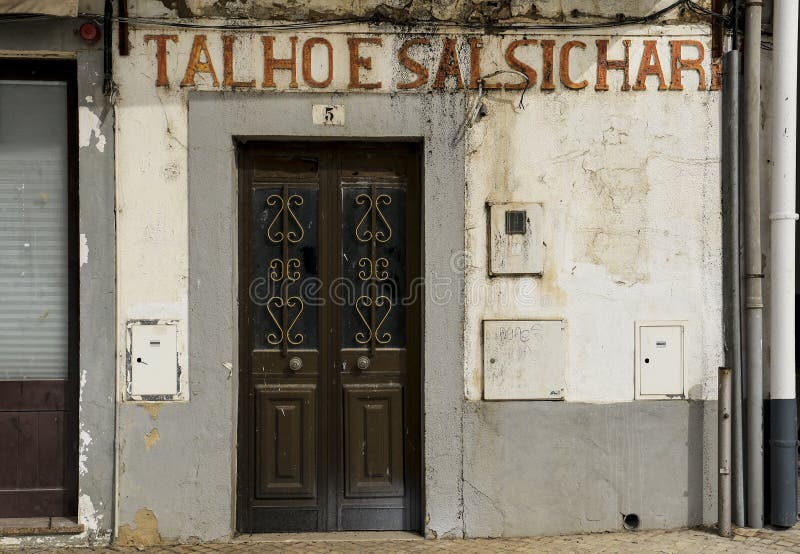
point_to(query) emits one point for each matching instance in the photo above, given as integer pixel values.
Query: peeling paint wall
(406, 11)
(629, 181)
(630, 184)
(96, 228)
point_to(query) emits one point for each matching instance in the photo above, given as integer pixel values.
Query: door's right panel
(379, 338)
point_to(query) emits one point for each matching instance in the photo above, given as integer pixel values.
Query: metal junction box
(523, 360)
(516, 244)
(660, 360)
(153, 372)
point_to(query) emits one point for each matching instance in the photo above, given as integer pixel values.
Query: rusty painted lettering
(271, 63)
(547, 65)
(161, 56)
(650, 65)
(448, 66)
(227, 65)
(475, 46)
(307, 77)
(679, 64)
(563, 66)
(411, 64)
(357, 62)
(196, 65)
(515, 64)
(604, 64)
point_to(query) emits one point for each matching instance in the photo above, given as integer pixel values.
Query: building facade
(447, 267)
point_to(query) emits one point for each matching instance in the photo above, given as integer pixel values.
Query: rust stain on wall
(152, 409)
(143, 533)
(151, 438)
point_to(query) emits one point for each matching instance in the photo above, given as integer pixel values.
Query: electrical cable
(618, 22)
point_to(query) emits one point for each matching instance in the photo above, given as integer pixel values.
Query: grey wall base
(544, 468)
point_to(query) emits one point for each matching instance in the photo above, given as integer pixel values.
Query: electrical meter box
(660, 360)
(153, 372)
(516, 243)
(523, 359)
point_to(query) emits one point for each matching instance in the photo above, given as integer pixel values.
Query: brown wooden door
(38, 289)
(329, 405)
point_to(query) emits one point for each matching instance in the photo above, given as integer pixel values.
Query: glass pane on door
(33, 230)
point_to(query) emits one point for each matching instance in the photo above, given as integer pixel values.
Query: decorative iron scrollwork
(285, 203)
(283, 309)
(373, 308)
(373, 202)
(373, 333)
(284, 333)
(376, 270)
(278, 271)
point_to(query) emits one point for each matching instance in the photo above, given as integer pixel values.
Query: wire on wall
(618, 21)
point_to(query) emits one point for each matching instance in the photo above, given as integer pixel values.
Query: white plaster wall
(630, 184)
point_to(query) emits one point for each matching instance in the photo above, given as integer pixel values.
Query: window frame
(62, 69)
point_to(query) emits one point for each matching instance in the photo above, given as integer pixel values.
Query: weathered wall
(410, 11)
(630, 186)
(631, 192)
(97, 267)
(632, 222)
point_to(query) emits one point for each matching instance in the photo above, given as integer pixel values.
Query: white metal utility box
(660, 360)
(523, 359)
(153, 372)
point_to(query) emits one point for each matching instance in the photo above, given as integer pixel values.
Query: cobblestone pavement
(680, 541)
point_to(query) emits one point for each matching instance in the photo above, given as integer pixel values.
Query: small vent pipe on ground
(724, 452)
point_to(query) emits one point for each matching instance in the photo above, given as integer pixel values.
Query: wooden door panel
(285, 439)
(33, 395)
(373, 440)
(329, 277)
(32, 473)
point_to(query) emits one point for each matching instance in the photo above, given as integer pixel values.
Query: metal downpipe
(753, 272)
(730, 118)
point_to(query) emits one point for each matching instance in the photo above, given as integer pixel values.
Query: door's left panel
(38, 289)
(281, 436)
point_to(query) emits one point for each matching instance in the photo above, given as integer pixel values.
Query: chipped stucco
(143, 531)
(485, 12)
(84, 250)
(89, 127)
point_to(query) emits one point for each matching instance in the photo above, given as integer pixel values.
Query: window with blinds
(33, 230)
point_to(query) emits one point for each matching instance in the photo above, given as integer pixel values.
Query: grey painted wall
(185, 482)
(539, 468)
(98, 274)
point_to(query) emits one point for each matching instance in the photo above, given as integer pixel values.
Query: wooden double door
(330, 332)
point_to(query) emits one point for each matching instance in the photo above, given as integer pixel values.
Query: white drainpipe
(782, 404)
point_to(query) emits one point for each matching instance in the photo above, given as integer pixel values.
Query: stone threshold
(335, 536)
(32, 526)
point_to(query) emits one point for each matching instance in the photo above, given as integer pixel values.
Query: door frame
(41, 69)
(216, 121)
(326, 411)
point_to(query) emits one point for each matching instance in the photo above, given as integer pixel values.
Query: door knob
(295, 364)
(362, 363)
